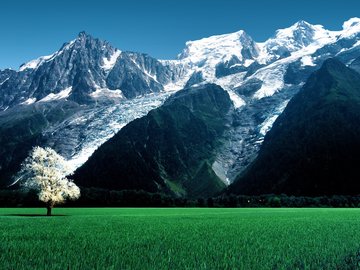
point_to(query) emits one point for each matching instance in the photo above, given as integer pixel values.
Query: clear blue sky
(33, 28)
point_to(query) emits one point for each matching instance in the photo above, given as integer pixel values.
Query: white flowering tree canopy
(46, 171)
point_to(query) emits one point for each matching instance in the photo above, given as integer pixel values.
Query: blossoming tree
(46, 171)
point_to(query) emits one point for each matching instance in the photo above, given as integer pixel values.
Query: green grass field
(187, 238)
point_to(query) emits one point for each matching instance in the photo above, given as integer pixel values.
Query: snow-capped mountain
(230, 50)
(100, 88)
(262, 81)
(85, 70)
(292, 39)
(267, 88)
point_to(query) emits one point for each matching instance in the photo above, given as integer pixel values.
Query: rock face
(313, 145)
(84, 66)
(104, 89)
(171, 149)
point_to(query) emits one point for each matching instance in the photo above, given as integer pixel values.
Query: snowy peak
(219, 47)
(102, 52)
(91, 68)
(33, 64)
(300, 34)
(217, 56)
(292, 39)
(297, 36)
(351, 27)
(353, 22)
(83, 46)
(90, 45)
(84, 35)
(84, 39)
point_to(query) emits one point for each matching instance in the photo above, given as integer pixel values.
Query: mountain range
(78, 98)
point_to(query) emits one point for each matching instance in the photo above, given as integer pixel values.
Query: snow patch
(248, 62)
(67, 47)
(108, 63)
(351, 23)
(348, 49)
(29, 101)
(1, 83)
(105, 92)
(307, 61)
(144, 71)
(237, 101)
(350, 28)
(272, 80)
(177, 85)
(34, 64)
(268, 123)
(220, 172)
(231, 81)
(61, 95)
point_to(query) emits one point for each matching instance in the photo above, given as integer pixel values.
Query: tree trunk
(49, 208)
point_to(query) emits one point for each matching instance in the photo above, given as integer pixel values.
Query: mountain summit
(85, 70)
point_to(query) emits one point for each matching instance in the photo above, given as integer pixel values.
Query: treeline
(93, 197)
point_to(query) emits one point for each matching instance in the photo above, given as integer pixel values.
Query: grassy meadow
(185, 238)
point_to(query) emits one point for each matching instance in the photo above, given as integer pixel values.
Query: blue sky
(30, 29)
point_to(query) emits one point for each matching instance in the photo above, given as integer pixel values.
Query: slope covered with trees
(22, 128)
(313, 147)
(169, 150)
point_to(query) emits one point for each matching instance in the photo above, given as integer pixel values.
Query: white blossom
(46, 171)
